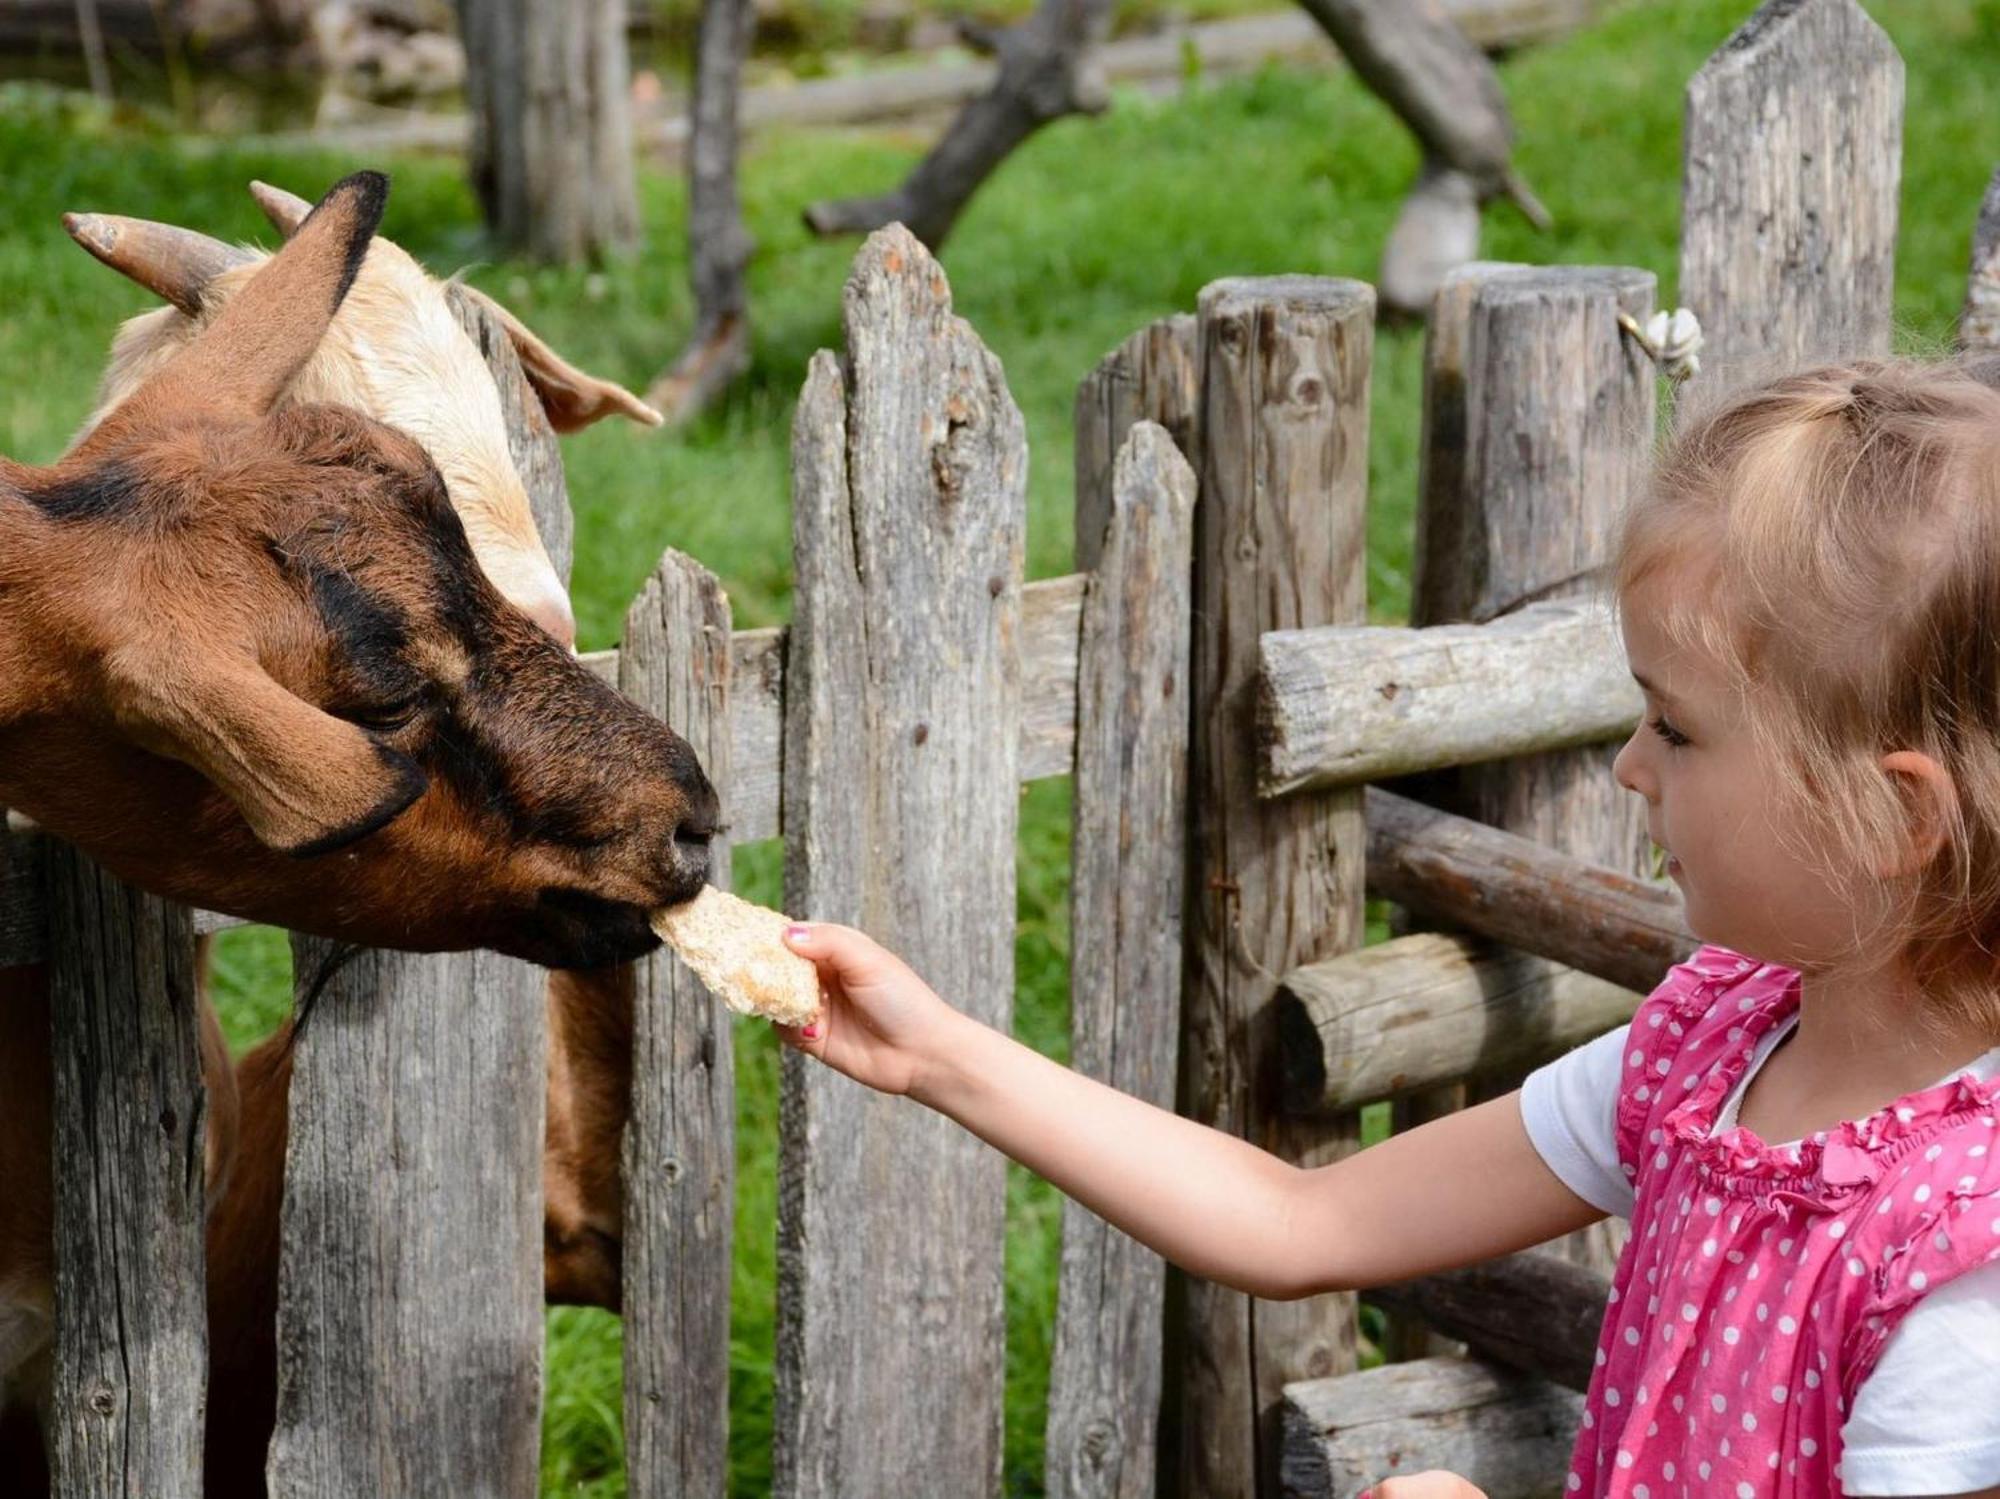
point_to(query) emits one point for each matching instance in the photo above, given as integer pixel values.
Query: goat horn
(286, 211)
(176, 263)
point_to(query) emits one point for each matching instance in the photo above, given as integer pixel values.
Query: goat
(236, 635)
(429, 622)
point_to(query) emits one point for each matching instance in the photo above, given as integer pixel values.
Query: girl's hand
(878, 1022)
(1433, 1485)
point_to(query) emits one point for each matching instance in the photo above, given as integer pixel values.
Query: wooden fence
(1209, 680)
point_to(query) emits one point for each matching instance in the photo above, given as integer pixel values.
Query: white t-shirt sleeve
(1927, 1418)
(1570, 1108)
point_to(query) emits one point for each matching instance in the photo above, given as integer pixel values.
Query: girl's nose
(1629, 769)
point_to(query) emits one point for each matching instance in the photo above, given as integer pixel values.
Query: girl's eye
(1673, 736)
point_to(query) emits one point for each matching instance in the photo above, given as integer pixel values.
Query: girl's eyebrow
(1660, 693)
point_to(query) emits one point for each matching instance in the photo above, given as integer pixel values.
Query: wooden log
(1979, 327)
(1420, 1011)
(1516, 891)
(679, 1153)
(1126, 896)
(129, 1129)
(1536, 1312)
(410, 1268)
(1508, 1433)
(909, 516)
(1152, 377)
(1792, 159)
(1338, 706)
(1279, 544)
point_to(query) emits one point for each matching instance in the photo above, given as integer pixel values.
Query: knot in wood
(103, 1401)
(1100, 1440)
(672, 1168)
(995, 586)
(169, 1120)
(919, 734)
(1308, 390)
(1233, 338)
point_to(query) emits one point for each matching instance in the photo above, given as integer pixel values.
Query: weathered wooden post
(1126, 893)
(900, 805)
(1279, 544)
(679, 1164)
(1793, 155)
(131, 1356)
(410, 1267)
(1538, 431)
(1979, 328)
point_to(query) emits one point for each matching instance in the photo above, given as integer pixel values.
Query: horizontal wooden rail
(1429, 1009)
(1534, 1312)
(1508, 1433)
(1462, 873)
(1345, 704)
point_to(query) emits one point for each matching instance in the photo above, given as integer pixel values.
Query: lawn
(1095, 228)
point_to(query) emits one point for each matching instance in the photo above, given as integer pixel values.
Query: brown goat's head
(254, 664)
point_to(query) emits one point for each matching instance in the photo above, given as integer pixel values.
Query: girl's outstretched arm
(1464, 1188)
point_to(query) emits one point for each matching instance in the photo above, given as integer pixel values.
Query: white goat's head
(395, 352)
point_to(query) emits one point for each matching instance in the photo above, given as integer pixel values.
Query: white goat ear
(572, 399)
(307, 783)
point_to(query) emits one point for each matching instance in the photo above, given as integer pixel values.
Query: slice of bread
(738, 951)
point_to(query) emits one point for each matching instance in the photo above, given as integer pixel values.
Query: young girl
(1800, 1121)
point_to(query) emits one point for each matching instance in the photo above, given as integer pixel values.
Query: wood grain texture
(551, 148)
(131, 1355)
(1792, 159)
(1542, 445)
(1153, 377)
(1979, 327)
(1337, 706)
(1536, 1312)
(1420, 1011)
(1514, 890)
(902, 712)
(680, 1142)
(410, 1267)
(1507, 1433)
(1279, 544)
(1128, 877)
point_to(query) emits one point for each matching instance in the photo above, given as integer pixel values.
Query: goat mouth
(574, 929)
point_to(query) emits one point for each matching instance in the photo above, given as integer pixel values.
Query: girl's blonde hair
(1834, 541)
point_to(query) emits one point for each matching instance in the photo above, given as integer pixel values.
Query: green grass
(1095, 228)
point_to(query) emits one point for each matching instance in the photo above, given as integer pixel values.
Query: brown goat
(235, 636)
(399, 318)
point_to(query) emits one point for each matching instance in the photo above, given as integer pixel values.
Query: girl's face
(1752, 872)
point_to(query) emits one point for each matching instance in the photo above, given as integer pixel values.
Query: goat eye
(384, 718)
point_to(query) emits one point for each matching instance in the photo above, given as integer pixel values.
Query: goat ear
(243, 360)
(307, 783)
(572, 399)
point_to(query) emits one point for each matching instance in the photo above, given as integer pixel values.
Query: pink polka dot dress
(1760, 1284)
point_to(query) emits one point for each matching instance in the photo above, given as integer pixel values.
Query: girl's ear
(1931, 800)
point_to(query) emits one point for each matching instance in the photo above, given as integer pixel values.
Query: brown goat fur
(233, 638)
